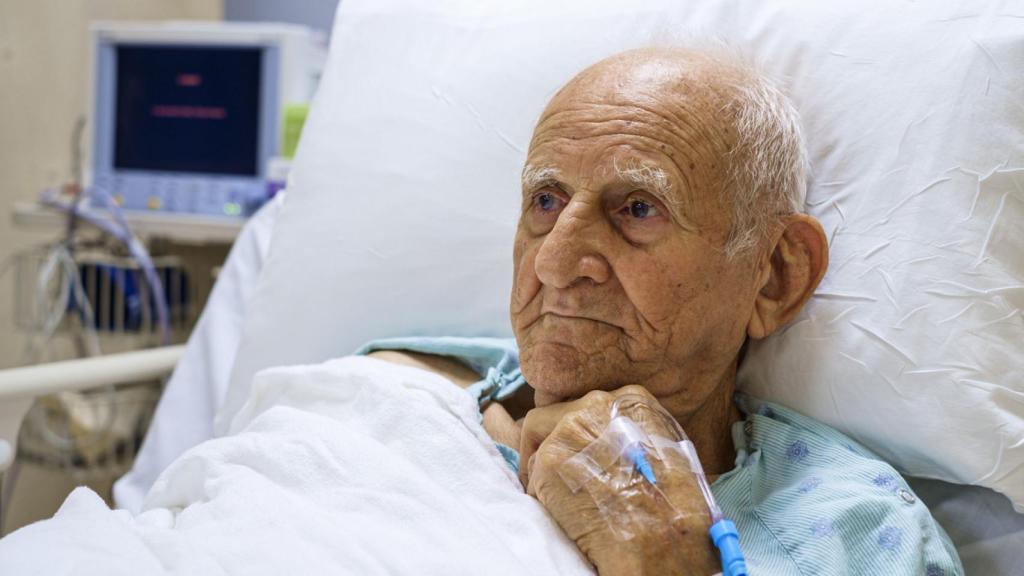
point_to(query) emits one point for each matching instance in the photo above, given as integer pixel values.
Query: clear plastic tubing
(723, 531)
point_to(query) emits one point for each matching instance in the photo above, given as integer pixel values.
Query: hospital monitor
(186, 116)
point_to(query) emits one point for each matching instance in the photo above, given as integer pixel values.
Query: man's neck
(709, 427)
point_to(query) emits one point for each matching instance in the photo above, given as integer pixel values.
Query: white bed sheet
(196, 389)
(414, 486)
(982, 524)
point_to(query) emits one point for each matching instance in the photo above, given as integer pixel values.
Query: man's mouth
(562, 316)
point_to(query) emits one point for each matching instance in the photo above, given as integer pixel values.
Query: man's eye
(546, 201)
(639, 209)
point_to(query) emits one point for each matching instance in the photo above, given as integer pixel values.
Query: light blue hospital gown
(805, 498)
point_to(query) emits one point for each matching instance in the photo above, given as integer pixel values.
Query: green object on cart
(294, 120)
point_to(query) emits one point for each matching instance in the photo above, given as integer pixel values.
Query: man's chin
(557, 372)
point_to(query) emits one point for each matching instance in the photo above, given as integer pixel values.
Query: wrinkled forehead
(667, 111)
(678, 87)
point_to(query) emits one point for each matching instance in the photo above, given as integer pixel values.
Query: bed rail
(19, 386)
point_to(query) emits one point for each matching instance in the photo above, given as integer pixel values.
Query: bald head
(738, 131)
(652, 75)
(681, 81)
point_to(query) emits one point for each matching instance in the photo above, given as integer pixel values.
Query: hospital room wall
(43, 67)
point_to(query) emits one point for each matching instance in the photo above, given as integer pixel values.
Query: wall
(43, 67)
(317, 14)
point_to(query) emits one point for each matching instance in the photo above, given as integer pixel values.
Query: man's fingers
(540, 422)
(524, 477)
(537, 425)
(570, 436)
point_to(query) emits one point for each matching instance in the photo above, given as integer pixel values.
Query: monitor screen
(188, 109)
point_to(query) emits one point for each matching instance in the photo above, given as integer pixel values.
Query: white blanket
(354, 466)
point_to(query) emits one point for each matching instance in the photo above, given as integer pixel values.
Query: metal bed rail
(20, 386)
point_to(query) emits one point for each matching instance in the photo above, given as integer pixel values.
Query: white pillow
(404, 198)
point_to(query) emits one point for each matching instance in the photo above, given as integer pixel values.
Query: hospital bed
(981, 522)
(987, 532)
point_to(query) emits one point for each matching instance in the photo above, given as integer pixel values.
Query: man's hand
(626, 526)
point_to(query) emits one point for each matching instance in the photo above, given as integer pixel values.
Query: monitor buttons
(232, 209)
(232, 206)
(184, 200)
(133, 190)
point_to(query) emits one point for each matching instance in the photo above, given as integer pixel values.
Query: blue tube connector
(639, 459)
(727, 540)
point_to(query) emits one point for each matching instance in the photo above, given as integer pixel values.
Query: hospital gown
(805, 498)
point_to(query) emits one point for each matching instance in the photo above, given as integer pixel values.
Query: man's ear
(790, 274)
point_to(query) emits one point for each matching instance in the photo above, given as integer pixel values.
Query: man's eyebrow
(539, 176)
(651, 178)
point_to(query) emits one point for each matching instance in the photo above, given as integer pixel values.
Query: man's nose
(571, 251)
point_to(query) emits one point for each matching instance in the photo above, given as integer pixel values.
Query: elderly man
(660, 229)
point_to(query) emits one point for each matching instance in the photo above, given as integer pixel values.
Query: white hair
(537, 176)
(767, 171)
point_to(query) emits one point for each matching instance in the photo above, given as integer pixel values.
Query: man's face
(620, 271)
